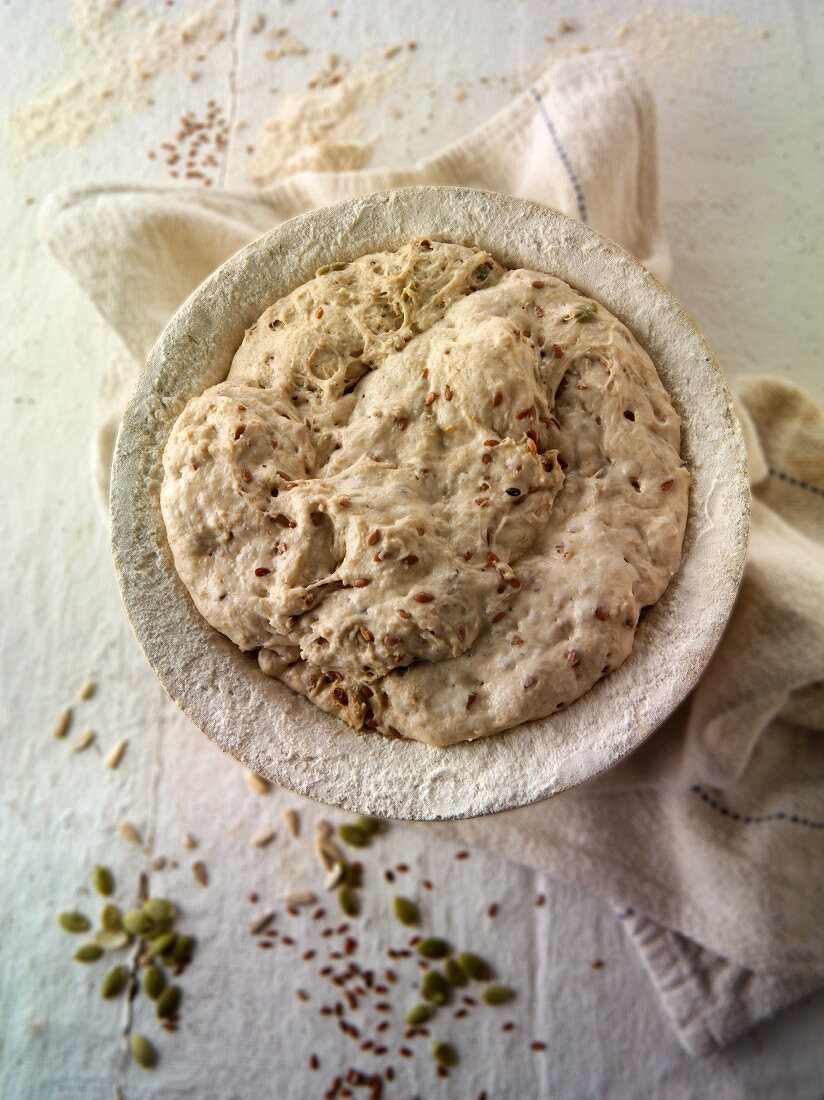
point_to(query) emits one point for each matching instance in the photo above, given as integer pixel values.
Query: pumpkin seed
(330, 267)
(405, 911)
(154, 981)
(111, 939)
(348, 901)
(353, 835)
(102, 880)
(143, 1053)
(444, 1053)
(114, 982)
(88, 953)
(352, 876)
(111, 917)
(433, 948)
(136, 922)
(436, 988)
(74, 922)
(169, 1001)
(474, 967)
(183, 949)
(496, 995)
(369, 825)
(159, 909)
(419, 1014)
(162, 945)
(454, 975)
(62, 723)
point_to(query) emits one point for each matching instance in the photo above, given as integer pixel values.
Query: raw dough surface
(432, 493)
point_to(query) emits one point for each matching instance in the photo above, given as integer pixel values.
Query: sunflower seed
(102, 880)
(168, 1002)
(299, 897)
(74, 922)
(154, 981)
(82, 741)
(115, 754)
(259, 783)
(143, 1053)
(405, 911)
(335, 875)
(114, 982)
(87, 690)
(62, 723)
(88, 952)
(328, 852)
(261, 839)
(292, 820)
(128, 832)
(323, 828)
(201, 873)
(262, 923)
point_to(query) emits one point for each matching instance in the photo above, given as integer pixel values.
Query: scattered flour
(320, 128)
(115, 49)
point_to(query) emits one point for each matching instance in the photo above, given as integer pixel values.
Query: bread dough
(433, 494)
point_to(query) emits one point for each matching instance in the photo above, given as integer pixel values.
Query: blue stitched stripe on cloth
(562, 155)
(780, 815)
(794, 481)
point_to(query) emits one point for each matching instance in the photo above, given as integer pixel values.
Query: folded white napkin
(709, 838)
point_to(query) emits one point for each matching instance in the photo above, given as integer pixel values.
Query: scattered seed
(497, 995)
(73, 922)
(598, 964)
(114, 982)
(348, 901)
(183, 949)
(62, 723)
(299, 897)
(136, 922)
(115, 754)
(259, 783)
(102, 880)
(201, 873)
(405, 911)
(433, 948)
(154, 982)
(129, 832)
(353, 835)
(168, 1002)
(88, 952)
(474, 967)
(262, 923)
(492, 910)
(444, 1053)
(424, 597)
(263, 838)
(540, 900)
(454, 975)
(667, 485)
(188, 841)
(111, 939)
(87, 690)
(462, 855)
(82, 741)
(292, 821)
(143, 1053)
(537, 1045)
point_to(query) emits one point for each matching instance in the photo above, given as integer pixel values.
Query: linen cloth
(709, 840)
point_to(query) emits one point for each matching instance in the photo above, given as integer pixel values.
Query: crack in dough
(433, 494)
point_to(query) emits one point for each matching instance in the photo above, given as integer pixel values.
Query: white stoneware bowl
(261, 722)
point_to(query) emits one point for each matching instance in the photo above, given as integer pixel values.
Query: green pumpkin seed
(73, 922)
(112, 939)
(162, 945)
(111, 917)
(102, 880)
(353, 835)
(183, 949)
(496, 995)
(369, 825)
(154, 982)
(348, 901)
(114, 982)
(436, 988)
(454, 975)
(433, 948)
(444, 1053)
(419, 1014)
(159, 909)
(143, 1053)
(88, 953)
(405, 911)
(136, 922)
(482, 272)
(474, 967)
(330, 267)
(168, 1002)
(352, 876)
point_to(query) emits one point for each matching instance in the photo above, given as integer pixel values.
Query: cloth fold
(709, 840)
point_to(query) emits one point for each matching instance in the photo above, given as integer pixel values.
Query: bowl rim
(280, 734)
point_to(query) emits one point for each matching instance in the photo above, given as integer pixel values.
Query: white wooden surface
(741, 118)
